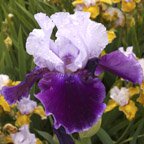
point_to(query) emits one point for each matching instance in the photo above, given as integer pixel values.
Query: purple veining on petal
(14, 93)
(124, 66)
(75, 102)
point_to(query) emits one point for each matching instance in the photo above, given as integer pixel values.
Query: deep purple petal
(75, 102)
(124, 66)
(63, 137)
(14, 93)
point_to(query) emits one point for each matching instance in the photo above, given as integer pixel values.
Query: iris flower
(23, 136)
(66, 68)
(121, 97)
(26, 106)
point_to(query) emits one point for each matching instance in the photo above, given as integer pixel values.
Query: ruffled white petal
(35, 41)
(45, 23)
(61, 19)
(141, 62)
(26, 106)
(96, 38)
(128, 52)
(39, 47)
(4, 80)
(24, 136)
(77, 36)
(120, 96)
(89, 2)
(83, 32)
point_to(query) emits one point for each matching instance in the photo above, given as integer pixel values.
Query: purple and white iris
(66, 68)
(26, 105)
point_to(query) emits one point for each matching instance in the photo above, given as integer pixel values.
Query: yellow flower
(22, 119)
(38, 141)
(115, 16)
(111, 105)
(133, 91)
(10, 15)
(10, 128)
(8, 42)
(137, 1)
(8, 139)
(77, 2)
(40, 111)
(4, 104)
(13, 83)
(106, 1)
(116, 1)
(142, 86)
(103, 53)
(130, 22)
(9, 20)
(128, 6)
(129, 110)
(91, 7)
(140, 99)
(94, 10)
(108, 17)
(111, 35)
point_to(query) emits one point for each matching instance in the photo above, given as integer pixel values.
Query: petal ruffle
(45, 23)
(81, 31)
(40, 47)
(124, 66)
(75, 103)
(14, 93)
(89, 37)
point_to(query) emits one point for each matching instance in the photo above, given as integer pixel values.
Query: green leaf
(125, 132)
(27, 13)
(83, 141)
(67, 5)
(51, 7)
(46, 136)
(104, 137)
(25, 18)
(138, 130)
(135, 42)
(92, 131)
(118, 126)
(21, 56)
